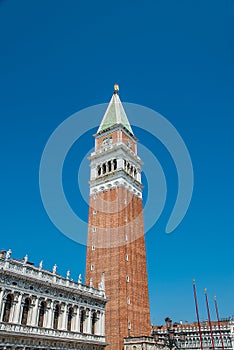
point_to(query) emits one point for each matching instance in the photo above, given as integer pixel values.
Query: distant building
(187, 335)
(42, 310)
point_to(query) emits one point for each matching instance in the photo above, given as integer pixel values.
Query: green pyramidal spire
(115, 114)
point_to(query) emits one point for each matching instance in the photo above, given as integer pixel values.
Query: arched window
(69, 318)
(99, 170)
(42, 310)
(229, 341)
(7, 308)
(24, 319)
(104, 168)
(82, 319)
(94, 320)
(56, 316)
(109, 165)
(225, 341)
(115, 164)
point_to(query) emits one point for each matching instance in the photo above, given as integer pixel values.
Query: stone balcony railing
(30, 271)
(45, 333)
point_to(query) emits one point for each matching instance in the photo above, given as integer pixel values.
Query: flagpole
(197, 312)
(219, 325)
(210, 324)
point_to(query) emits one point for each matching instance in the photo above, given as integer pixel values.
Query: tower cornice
(113, 182)
(114, 177)
(114, 128)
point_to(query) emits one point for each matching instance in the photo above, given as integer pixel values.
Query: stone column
(45, 319)
(49, 319)
(120, 164)
(88, 322)
(76, 327)
(138, 177)
(60, 318)
(98, 327)
(73, 320)
(16, 309)
(30, 312)
(105, 168)
(34, 312)
(102, 317)
(1, 303)
(64, 318)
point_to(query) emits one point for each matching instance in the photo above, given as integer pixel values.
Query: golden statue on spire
(116, 88)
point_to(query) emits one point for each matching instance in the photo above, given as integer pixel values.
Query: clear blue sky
(176, 57)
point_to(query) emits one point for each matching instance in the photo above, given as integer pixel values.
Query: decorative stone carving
(8, 254)
(25, 259)
(39, 286)
(54, 269)
(40, 264)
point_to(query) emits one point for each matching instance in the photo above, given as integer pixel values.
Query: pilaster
(34, 317)
(64, 317)
(16, 309)
(1, 303)
(50, 305)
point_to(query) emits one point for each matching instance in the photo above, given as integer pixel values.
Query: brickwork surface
(116, 247)
(116, 136)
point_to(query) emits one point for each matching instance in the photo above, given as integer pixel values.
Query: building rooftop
(115, 115)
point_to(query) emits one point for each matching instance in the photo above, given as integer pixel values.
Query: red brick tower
(116, 244)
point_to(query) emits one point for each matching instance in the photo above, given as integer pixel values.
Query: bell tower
(116, 247)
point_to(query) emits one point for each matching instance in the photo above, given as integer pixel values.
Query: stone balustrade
(48, 333)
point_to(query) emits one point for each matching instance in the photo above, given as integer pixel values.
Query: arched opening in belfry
(109, 165)
(115, 164)
(7, 308)
(69, 318)
(104, 168)
(42, 310)
(56, 316)
(24, 319)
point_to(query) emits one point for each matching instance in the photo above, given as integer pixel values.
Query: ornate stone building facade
(42, 310)
(187, 335)
(116, 229)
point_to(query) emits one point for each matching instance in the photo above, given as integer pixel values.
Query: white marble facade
(40, 309)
